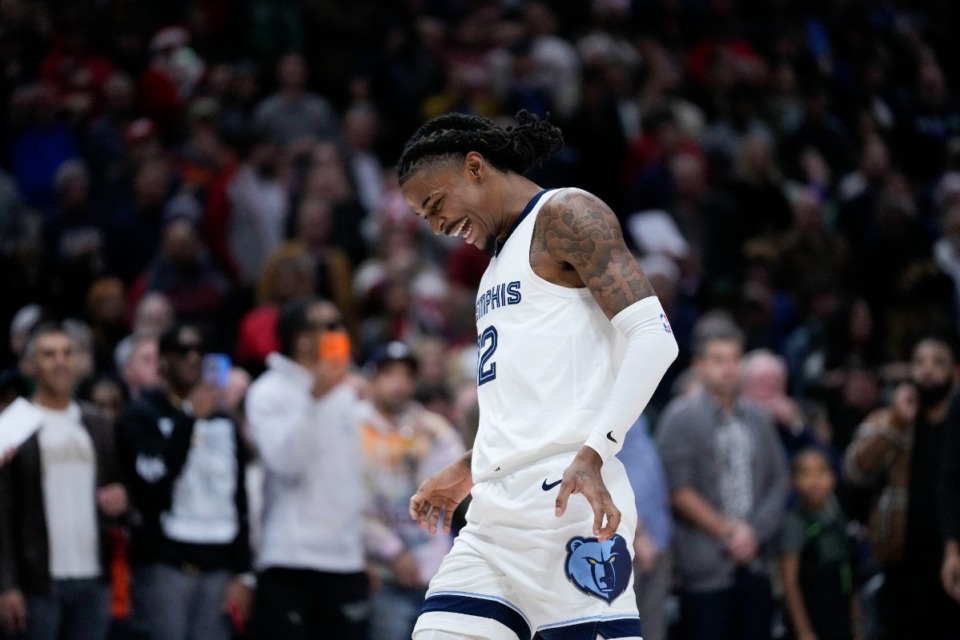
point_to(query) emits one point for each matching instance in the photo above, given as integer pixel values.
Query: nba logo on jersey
(666, 323)
(599, 569)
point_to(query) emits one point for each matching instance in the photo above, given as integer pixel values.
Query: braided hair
(518, 148)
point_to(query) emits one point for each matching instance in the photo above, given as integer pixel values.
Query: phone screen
(216, 369)
(334, 347)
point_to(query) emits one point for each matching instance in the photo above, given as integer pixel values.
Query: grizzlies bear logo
(599, 569)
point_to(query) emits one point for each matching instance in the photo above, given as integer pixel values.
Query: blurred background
(790, 167)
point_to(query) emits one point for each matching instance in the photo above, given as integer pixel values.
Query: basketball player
(572, 343)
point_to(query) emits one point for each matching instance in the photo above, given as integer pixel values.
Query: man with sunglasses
(315, 536)
(183, 461)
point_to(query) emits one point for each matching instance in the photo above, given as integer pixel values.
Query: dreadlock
(518, 148)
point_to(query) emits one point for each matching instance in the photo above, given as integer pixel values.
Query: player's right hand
(440, 494)
(583, 476)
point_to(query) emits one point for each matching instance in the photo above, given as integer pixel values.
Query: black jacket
(154, 440)
(24, 546)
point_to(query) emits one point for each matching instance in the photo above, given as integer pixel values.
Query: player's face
(451, 198)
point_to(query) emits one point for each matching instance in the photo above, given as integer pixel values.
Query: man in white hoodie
(312, 581)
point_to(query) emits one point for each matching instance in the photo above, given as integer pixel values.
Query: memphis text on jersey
(498, 296)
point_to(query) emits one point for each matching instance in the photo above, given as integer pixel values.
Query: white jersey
(547, 359)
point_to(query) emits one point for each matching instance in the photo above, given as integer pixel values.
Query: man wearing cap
(403, 444)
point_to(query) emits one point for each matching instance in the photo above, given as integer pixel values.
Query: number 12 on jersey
(486, 346)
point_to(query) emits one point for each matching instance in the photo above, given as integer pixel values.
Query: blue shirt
(645, 472)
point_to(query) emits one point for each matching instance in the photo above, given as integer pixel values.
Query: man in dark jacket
(57, 495)
(183, 461)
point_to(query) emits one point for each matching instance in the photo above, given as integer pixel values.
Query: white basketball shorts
(516, 568)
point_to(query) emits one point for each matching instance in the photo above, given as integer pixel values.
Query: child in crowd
(815, 554)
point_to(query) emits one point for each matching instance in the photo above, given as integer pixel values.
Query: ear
(474, 165)
(576, 542)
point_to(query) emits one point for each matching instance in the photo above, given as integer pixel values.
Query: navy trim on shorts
(480, 608)
(622, 628)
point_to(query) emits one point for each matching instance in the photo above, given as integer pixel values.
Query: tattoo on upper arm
(585, 233)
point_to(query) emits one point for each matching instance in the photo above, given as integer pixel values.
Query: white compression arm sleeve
(651, 347)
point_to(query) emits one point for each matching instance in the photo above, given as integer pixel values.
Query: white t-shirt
(69, 479)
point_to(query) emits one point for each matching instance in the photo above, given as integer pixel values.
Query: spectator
(74, 235)
(258, 205)
(81, 338)
(361, 124)
(43, 143)
(651, 546)
(311, 581)
(899, 450)
(104, 144)
(137, 359)
(728, 486)
(328, 179)
(104, 304)
(184, 461)
(293, 117)
(153, 314)
(186, 274)
(167, 85)
(404, 444)
(765, 384)
(333, 277)
(57, 497)
(815, 554)
(108, 394)
(138, 227)
(287, 275)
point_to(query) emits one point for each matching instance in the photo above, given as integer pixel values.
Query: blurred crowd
(214, 177)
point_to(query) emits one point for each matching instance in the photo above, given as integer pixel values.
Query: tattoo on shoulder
(584, 232)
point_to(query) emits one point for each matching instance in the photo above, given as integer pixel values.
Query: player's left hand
(583, 476)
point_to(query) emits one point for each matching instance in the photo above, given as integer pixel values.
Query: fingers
(447, 520)
(606, 532)
(415, 502)
(567, 487)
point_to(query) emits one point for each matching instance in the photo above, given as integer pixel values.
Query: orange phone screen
(335, 347)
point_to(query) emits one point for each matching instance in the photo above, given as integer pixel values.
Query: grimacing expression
(452, 199)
